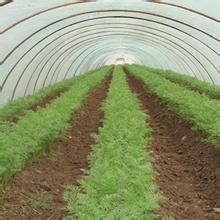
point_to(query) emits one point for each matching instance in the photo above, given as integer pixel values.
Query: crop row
(120, 183)
(194, 107)
(34, 131)
(20, 105)
(16, 107)
(189, 82)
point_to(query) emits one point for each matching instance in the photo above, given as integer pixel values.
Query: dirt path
(42, 181)
(188, 168)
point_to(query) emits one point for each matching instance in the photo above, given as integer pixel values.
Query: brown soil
(41, 104)
(188, 168)
(50, 172)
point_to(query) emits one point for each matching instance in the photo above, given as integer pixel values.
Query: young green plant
(189, 82)
(120, 182)
(194, 107)
(38, 130)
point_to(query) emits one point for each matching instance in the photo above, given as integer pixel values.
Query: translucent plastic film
(43, 42)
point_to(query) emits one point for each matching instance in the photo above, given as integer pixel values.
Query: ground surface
(43, 180)
(188, 168)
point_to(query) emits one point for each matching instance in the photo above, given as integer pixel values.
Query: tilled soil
(188, 168)
(43, 180)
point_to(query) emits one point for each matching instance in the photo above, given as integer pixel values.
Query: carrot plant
(120, 183)
(212, 91)
(194, 107)
(36, 130)
(16, 107)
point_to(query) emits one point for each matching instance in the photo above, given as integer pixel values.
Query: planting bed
(37, 130)
(120, 183)
(16, 109)
(129, 145)
(203, 112)
(45, 178)
(189, 82)
(40, 104)
(187, 167)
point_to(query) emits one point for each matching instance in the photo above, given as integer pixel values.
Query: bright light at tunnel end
(120, 58)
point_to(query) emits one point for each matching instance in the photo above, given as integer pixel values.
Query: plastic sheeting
(43, 42)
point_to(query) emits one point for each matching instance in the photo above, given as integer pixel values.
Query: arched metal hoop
(5, 2)
(32, 61)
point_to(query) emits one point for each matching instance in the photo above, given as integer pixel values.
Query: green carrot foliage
(37, 130)
(120, 183)
(16, 107)
(203, 112)
(212, 91)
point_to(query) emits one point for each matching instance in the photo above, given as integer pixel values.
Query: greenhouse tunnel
(43, 42)
(109, 110)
